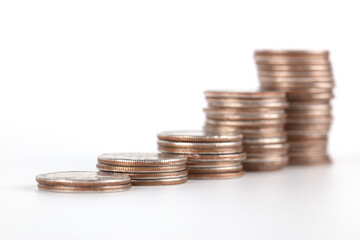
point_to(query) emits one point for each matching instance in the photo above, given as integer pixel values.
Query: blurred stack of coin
(260, 117)
(306, 77)
(146, 169)
(210, 156)
(83, 181)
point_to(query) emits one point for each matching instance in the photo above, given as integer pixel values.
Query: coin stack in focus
(83, 181)
(306, 77)
(260, 117)
(210, 156)
(146, 169)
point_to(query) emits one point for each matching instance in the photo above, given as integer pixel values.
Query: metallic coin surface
(214, 163)
(294, 73)
(138, 169)
(245, 95)
(259, 167)
(249, 104)
(265, 140)
(218, 157)
(82, 178)
(200, 150)
(253, 123)
(268, 159)
(285, 67)
(198, 136)
(292, 53)
(78, 189)
(218, 115)
(158, 182)
(163, 175)
(141, 159)
(201, 169)
(216, 175)
(204, 145)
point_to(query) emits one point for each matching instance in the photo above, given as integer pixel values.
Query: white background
(80, 78)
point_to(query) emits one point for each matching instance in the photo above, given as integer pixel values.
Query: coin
(218, 115)
(268, 159)
(294, 85)
(73, 189)
(295, 73)
(142, 169)
(216, 175)
(254, 123)
(249, 104)
(214, 163)
(82, 179)
(250, 167)
(201, 169)
(293, 68)
(220, 157)
(162, 175)
(245, 95)
(266, 148)
(141, 159)
(200, 151)
(157, 182)
(316, 160)
(264, 140)
(197, 136)
(204, 145)
(293, 53)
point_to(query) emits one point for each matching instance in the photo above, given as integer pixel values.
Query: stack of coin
(146, 169)
(260, 117)
(306, 77)
(83, 182)
(210, 156)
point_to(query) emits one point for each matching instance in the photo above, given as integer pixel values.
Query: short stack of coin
(306, 77)
(210, 156)
(146, 169)
(83, 181)
(260, 117)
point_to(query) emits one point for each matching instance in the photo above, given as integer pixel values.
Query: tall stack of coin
(146, 169)
(260, 117)
(210, 156)
(83, 181)
(307, 78)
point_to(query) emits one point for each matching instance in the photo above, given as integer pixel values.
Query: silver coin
(82, 178)
(272, 159)
(198, 136)
(295, 73)
(264, 140)
(204, 145)
(312, 68)
(82, 189)
(249, 104)
(228, 115)
(245, 95)
(253, 123)
(141, 159)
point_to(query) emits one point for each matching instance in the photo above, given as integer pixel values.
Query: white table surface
(295, 203)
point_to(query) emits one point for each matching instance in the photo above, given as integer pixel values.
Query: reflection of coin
(197, 136)
(141, 159)
(82, 178)
(144, 169)
(156, 182)
(216, 175)
(60, 188)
